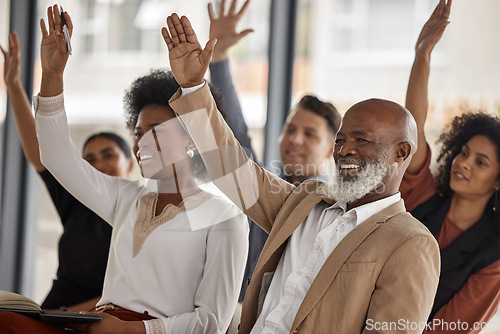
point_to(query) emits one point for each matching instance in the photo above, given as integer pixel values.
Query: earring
(190, 152)
(496, 200)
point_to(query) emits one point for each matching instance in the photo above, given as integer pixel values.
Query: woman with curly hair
(177, 252)
(459, 205)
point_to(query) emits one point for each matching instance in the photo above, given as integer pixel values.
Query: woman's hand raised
(53, 51)
(433, 29)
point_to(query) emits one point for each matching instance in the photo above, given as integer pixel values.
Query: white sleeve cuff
(48, 105)
(189, 90)
(154, 326)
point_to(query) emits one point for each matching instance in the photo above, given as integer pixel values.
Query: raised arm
(53, 52)
(21, 105)
(256, 191)
(417, 92)
(223, 28)
(97, 191)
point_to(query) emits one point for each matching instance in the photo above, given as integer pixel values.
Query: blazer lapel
(339, 256)
(453, 255)
(295, 218)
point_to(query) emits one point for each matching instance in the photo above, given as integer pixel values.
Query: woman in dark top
(84, 244)
(460, 205)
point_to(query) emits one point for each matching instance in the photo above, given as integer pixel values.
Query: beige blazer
(381, 278)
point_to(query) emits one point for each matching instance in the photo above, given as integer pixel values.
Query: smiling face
(369, 151)
(160, 143)
(305, 145)
(106, 156)
(475, 170)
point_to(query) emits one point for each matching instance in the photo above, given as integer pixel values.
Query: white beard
(349, 189)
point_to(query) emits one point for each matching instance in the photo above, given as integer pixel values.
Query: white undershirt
(307, 250)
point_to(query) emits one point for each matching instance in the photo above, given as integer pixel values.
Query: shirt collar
(365, 211)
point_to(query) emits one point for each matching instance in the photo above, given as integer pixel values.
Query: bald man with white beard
(341, 257)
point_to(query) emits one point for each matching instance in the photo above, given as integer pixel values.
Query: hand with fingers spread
(417, 91)
(224, 28)
(53, 51)
(188, 61)
(12, 64)
(433, 29)
(21, 105)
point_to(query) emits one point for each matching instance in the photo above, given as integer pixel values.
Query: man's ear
(403, 151)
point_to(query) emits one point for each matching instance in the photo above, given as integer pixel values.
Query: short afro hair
(156, 87)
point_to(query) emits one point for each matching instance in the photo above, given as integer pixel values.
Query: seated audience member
(177, 254)
(459, 204)
(308, 135)
(84, 244)
(343, 257)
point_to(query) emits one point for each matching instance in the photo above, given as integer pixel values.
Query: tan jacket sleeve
(256, 191)
(405, 289)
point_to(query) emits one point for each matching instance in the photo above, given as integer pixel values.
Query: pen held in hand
(65, 31)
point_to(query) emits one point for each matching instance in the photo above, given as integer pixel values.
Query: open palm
(434, 28)
(223, 27)
(12, 64)
(188, 61)
(53, 51)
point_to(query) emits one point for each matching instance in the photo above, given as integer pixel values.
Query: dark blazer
(473, 250)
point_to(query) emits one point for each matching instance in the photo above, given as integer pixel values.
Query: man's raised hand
(223, 28)
(188, 61)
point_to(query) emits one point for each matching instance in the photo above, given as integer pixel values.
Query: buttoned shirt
(307, 250)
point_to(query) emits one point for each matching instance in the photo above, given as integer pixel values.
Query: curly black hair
(157, 87)
(457, 134)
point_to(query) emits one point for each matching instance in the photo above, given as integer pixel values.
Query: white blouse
(190, 279)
